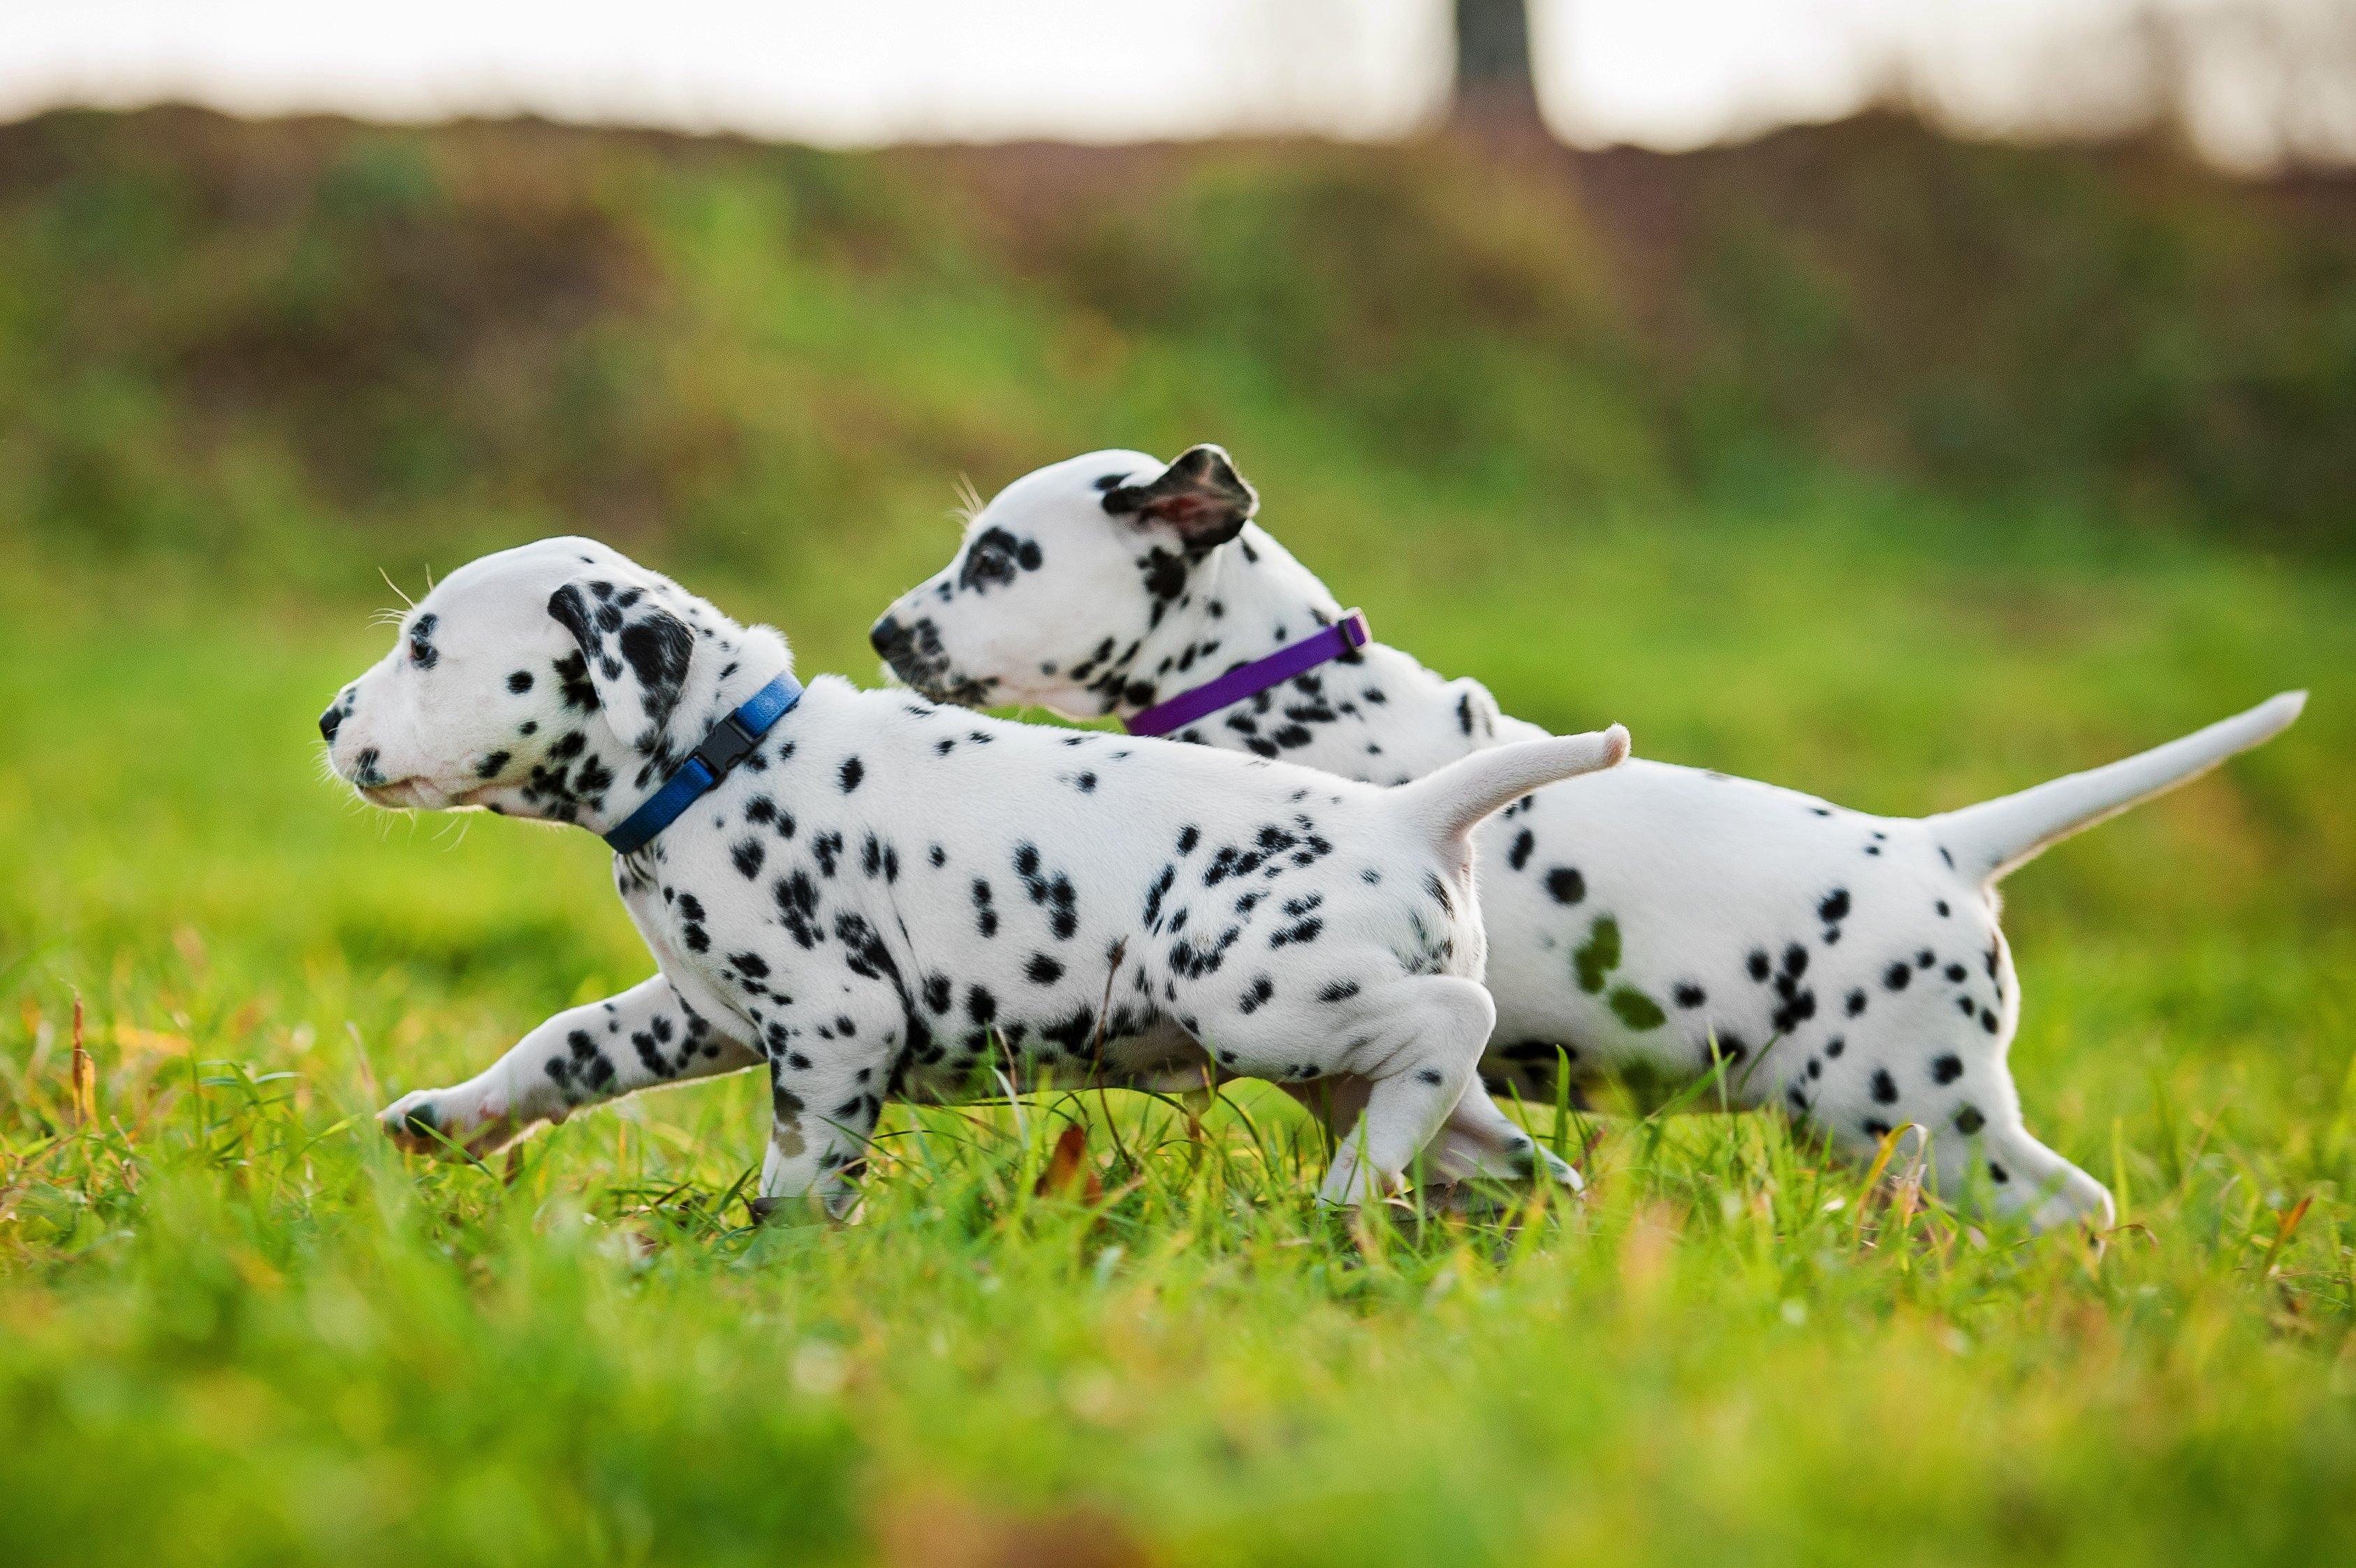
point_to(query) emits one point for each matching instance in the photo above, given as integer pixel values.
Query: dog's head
(537, 682)
(1061, 577)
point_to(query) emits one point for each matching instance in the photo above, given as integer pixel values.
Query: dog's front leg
(827, 1096)
(645, 1037)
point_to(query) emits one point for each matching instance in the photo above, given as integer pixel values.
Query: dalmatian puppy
(1651, 922)
(874, 896)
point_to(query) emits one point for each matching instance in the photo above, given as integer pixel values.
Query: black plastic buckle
(726, 745)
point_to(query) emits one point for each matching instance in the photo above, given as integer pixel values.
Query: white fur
(890, 897)
(1849, 968)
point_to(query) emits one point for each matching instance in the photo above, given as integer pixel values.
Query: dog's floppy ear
(635, 653)
(1200, 495)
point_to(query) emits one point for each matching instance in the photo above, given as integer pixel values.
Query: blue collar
(724, 746)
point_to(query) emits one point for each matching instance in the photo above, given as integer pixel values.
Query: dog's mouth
(399, 795)
(415, 793)
(917, 659)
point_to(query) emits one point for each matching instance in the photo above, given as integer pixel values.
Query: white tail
(1452, 802)
(1996, 835)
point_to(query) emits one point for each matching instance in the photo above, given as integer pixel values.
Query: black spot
(1689, 995)
(1987, 1020)
(796, 898)
(1339, 991)
(1855, 1004)
(1759, 964)
(1897, 977)
(1956, 973)
(979, 1005)
(1252, 1001)
(747, 857)
(1524, 842)
(1431, 1076)
(1942, 907)
(750, 965)
(1834, 1046)
(519, 682)
(1834, 906)
(1877, 1128)
(1947, 1068)
(1795, 961)
(1885, 1088)
(1431, 884)
(1565, 885)
(488, 768)
(1968, 1120)
(1043, 970)
(1998, 1174)
(850, 773)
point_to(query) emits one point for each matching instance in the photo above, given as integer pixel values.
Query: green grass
(236, 1326)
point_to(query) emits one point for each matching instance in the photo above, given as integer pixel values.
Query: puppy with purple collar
(1653, 920)
(871, 897)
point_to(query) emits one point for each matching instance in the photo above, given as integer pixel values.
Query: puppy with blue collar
(869, 896)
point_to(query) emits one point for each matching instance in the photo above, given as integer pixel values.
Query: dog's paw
(445, 1122)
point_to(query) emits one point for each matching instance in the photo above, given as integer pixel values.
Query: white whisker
(389, 582)
(968, 502)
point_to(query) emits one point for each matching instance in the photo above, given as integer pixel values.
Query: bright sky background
(1668, 73)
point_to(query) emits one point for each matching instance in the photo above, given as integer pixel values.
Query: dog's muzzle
(891, 640)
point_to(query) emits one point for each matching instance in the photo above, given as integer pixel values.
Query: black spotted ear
(1200, 495)
(636, 654)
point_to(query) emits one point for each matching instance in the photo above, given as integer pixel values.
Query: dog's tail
(1451, 802)
(1996, 836)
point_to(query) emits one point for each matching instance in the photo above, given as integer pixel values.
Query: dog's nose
(330, 721)
(886, 635)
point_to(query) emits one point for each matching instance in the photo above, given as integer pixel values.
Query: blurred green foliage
(236, 338)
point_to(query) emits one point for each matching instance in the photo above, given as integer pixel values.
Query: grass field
(236, 1326)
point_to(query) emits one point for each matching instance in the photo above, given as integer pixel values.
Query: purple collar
(1331, 641)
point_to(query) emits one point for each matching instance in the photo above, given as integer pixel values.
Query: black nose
(886, 635)
(330, 721)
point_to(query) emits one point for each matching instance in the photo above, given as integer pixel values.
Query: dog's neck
(1377, 717)
(598, 787)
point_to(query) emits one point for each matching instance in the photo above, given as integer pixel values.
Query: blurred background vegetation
(265, 344)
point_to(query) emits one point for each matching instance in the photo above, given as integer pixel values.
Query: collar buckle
(724, 746)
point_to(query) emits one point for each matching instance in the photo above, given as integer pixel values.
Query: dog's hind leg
(1480, 1141)
(2019, 1177)
(643, 1038)
(1419, 1064)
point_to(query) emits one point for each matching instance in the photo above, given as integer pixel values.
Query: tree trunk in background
(1497, 93)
